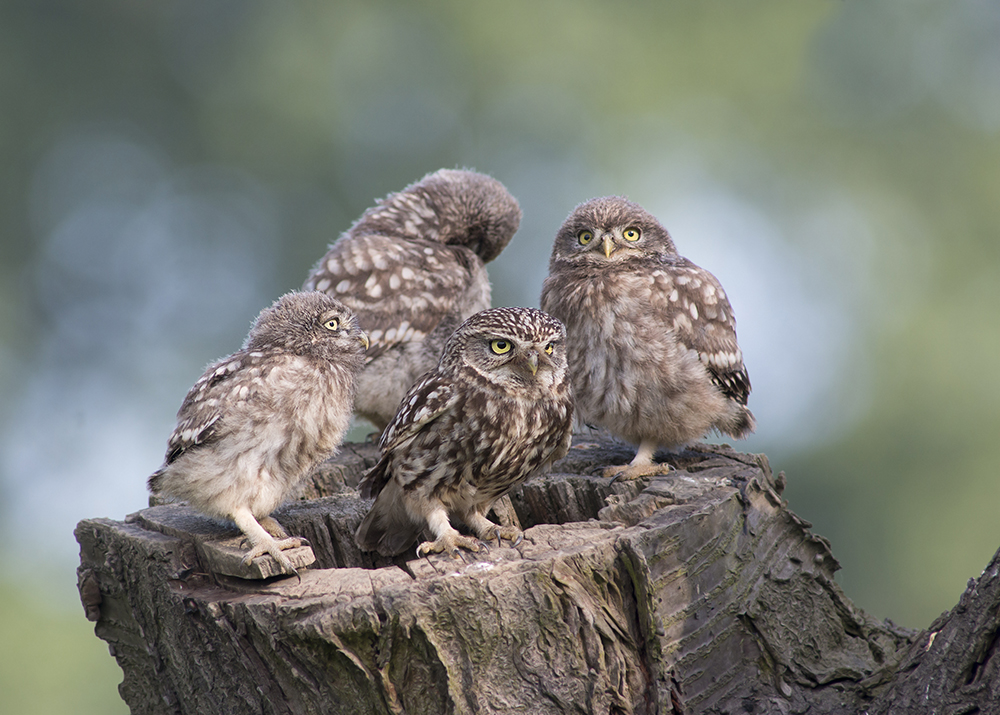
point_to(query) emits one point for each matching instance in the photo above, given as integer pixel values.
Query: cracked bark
(694, 592)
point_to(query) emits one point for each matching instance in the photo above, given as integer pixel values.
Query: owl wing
(696, 306)
(400, 289)
(428, 399)
(201, 416)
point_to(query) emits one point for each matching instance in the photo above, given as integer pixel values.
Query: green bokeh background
(169, 168)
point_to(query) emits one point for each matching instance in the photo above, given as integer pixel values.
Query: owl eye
(332, 324)
(549, 348)
(585, 237)
(631, 234)
(500, 347)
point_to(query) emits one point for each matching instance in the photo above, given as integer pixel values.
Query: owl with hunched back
(651, 337)
(255, 424)
(496, 409)
(413, 268)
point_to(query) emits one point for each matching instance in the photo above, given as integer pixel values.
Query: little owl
(413, 268)
(495, 410)
(258, 421)
(651, 337)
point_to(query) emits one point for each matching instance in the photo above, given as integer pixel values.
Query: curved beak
(533, 362)
(363, 337)
(609, 246)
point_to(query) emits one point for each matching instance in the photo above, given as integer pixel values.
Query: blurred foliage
(51, 661)
(166, 169)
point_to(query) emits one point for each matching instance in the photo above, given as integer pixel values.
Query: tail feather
(375, 479)
(153, 483)
(740, 424)
(388, 528)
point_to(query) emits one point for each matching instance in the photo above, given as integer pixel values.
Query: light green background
(169, 168)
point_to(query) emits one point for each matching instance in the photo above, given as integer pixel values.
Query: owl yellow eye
(332, 324)
(585, 237)
(548, 349)
(631, 234)
(500, 347)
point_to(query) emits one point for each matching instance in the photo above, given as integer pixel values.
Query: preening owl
(413, 268)
(651, 337)
(258, 421)
(496, 409)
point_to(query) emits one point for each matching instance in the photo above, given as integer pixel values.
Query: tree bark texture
(694, 592)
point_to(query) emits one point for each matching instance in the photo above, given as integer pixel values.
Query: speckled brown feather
(413, 268)
(256, 421)
(473, 428)
(651, 336)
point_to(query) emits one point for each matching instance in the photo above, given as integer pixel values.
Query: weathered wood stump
(694, 592)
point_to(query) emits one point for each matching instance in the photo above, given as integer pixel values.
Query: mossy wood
(695, 592)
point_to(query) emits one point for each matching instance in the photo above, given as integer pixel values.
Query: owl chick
(651, 337)
(413, 268)
(496, 409)
(257, 421)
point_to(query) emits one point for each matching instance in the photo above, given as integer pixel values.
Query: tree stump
(693, 592)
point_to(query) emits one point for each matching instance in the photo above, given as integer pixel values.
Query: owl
(651, 337)
(413, 268)
(496, 409)
(256, 422)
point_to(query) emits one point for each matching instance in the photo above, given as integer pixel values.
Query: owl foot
(274, 547)
(486, 530)
(628, 472)
(450, 542)
(261, 535)
(510, 533)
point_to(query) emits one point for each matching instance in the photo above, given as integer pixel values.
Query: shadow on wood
(694, 592)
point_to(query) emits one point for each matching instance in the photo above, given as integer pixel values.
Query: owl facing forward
(651, 337)
(413, 268)
(496, 409)
(256, 422)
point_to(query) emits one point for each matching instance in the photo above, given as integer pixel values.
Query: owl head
(456, 207)
(610, 229)
(476, 210)
(509, 349)
(308, 323)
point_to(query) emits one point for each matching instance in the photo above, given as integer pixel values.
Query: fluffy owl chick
(651, 337)
(496, 409)
(413, 268)
(257, 421)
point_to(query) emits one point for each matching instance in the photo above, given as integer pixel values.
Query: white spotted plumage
(651, 336)
(256, 422)
(468, 431)
(413, 268)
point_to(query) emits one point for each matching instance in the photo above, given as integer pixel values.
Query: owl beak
(609, 246)
(533, 362)
(363, 337)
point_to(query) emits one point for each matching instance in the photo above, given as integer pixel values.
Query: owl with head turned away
(495, 410)
(651, 337)
(413, 268)
(255, 424)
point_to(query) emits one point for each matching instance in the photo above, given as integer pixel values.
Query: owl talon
(450, 543)
(629, 472)
(511, 534)
(274, 549)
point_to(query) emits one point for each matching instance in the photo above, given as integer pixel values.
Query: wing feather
(695, 305)
(424, 278)
(428, 399)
